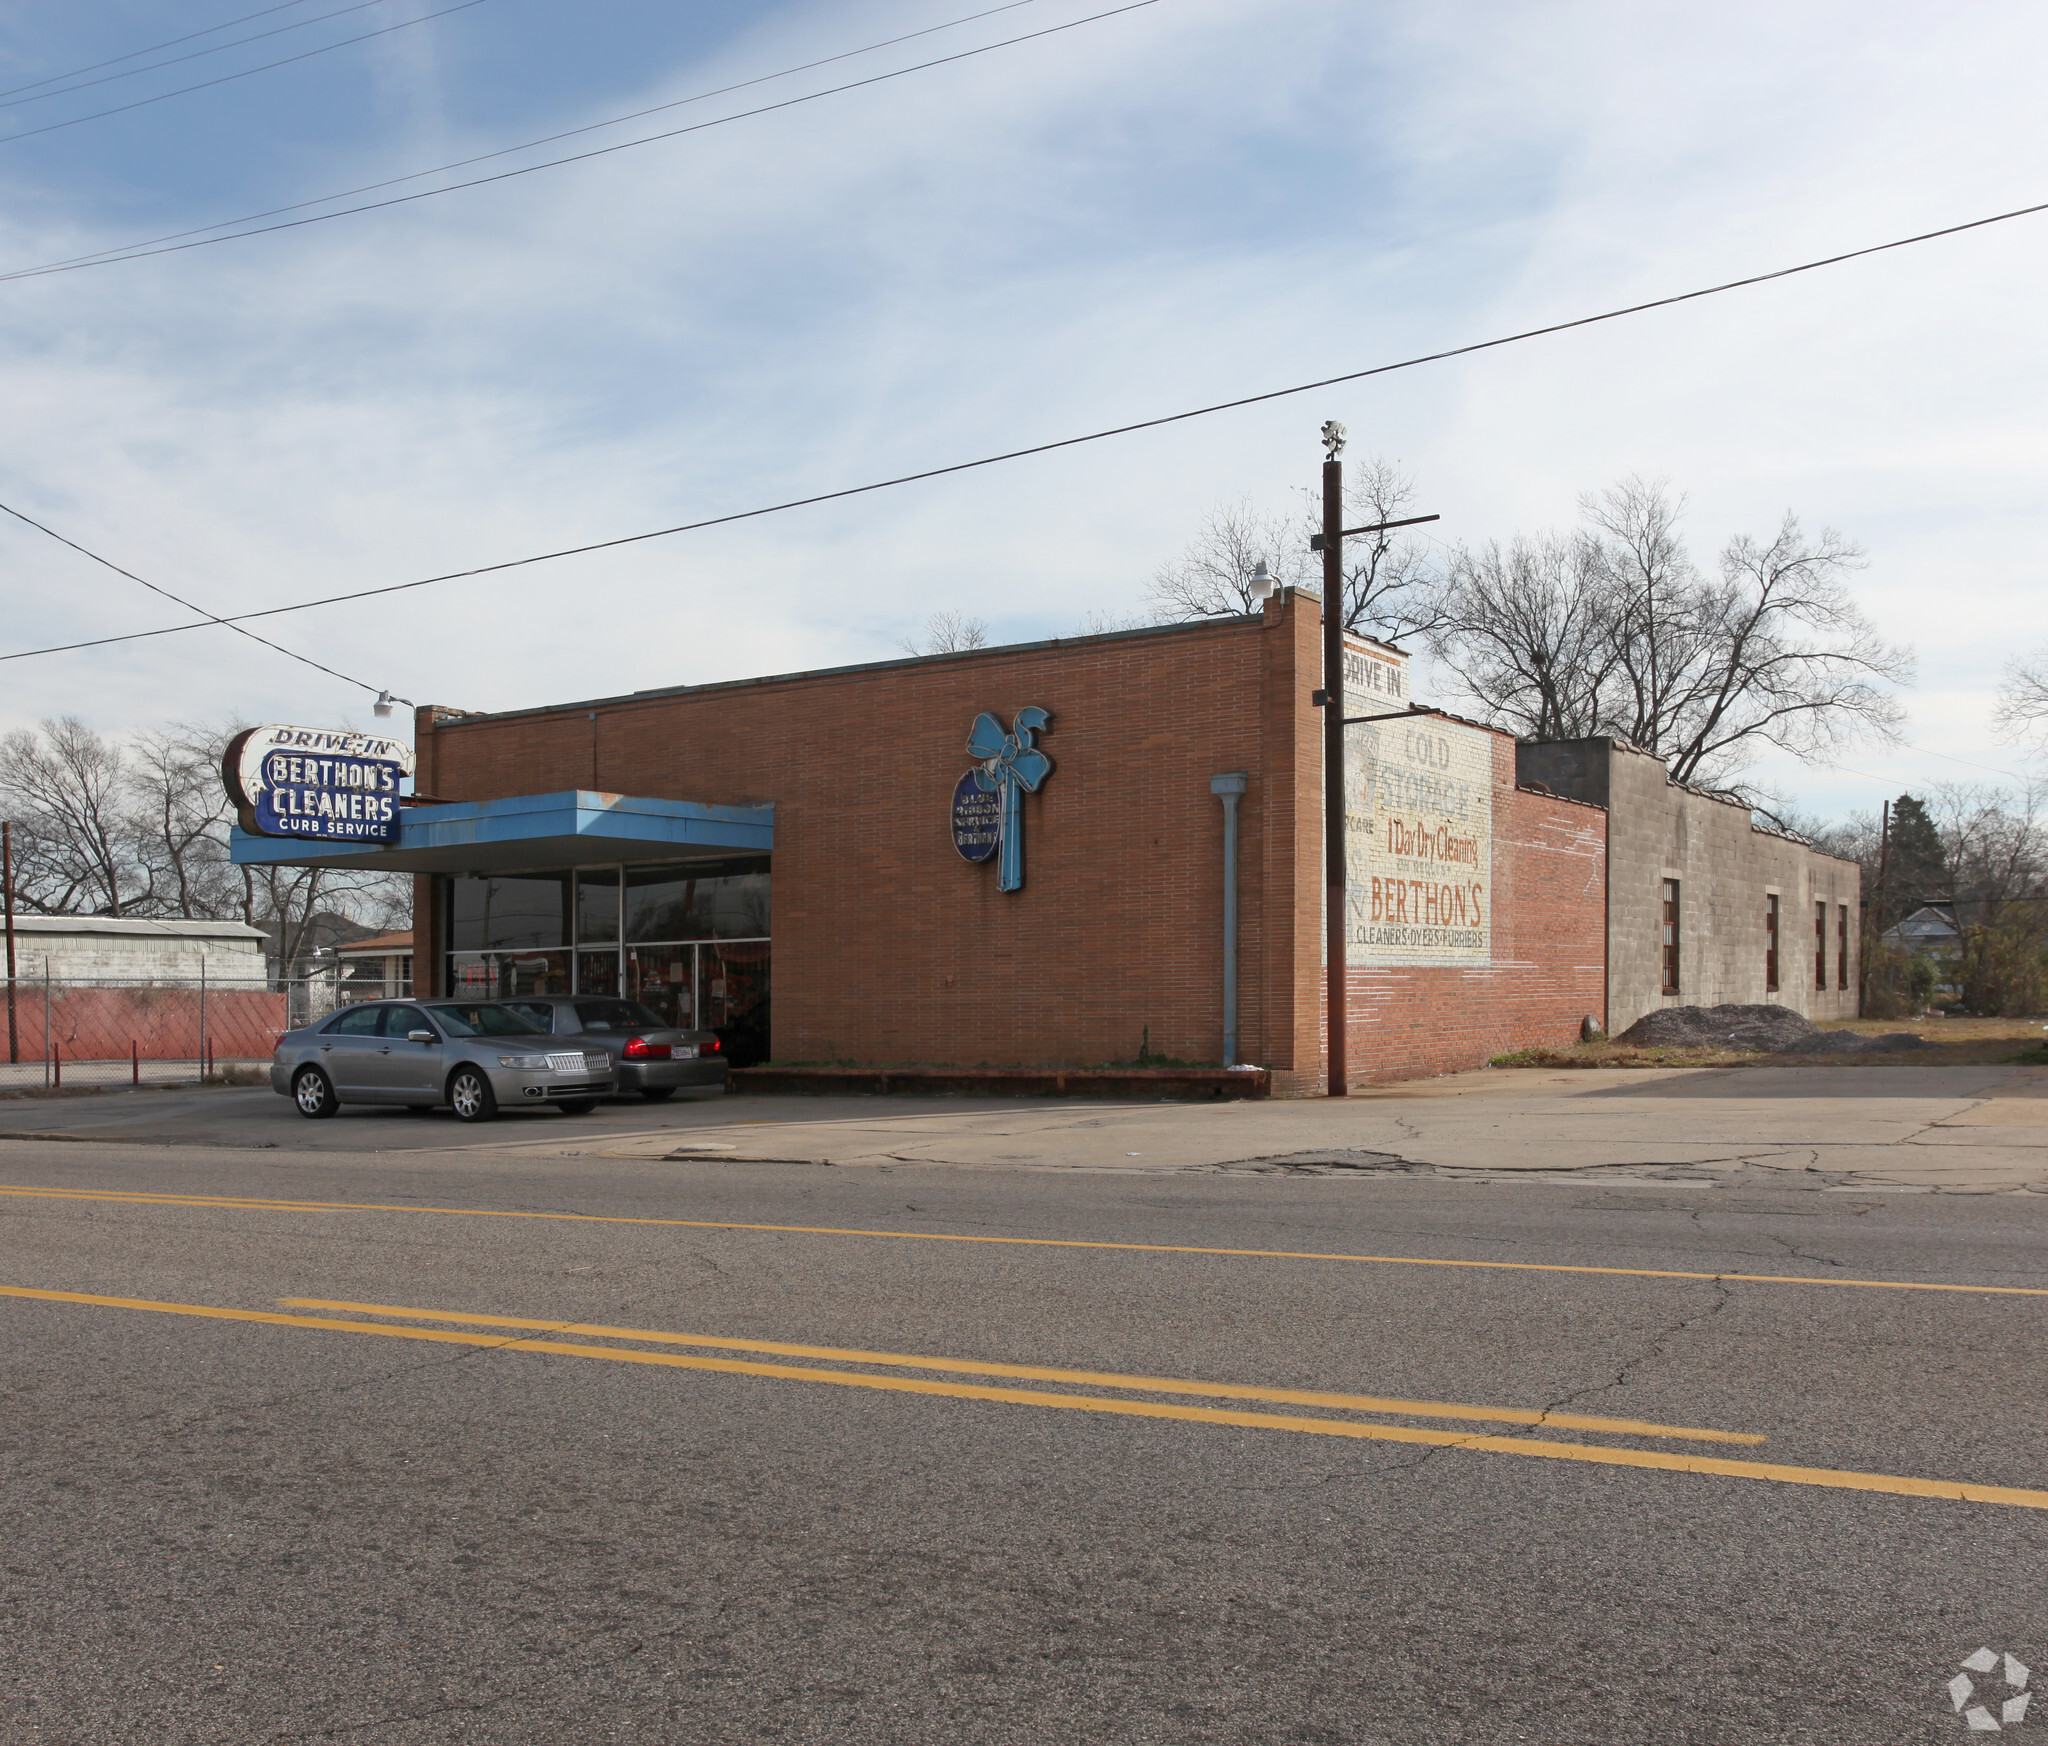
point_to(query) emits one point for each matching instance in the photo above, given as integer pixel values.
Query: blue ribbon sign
(1010, 765)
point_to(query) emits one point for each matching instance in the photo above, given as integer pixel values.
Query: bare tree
(67, 789)
(1393, 588)
(177, 819)
(1212, 577)
(1390, 584)
(2022, 708)
(949, 633)
(1526, 633)
(1704, 672)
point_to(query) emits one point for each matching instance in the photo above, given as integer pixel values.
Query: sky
(1183, 203)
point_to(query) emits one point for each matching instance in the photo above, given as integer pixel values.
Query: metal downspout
(1227, 787)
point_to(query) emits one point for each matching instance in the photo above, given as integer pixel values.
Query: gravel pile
(1770, 1030)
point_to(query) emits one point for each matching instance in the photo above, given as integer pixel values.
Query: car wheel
(658, 1093)
(577, 1105)
(312, 1093)
(470, 1096)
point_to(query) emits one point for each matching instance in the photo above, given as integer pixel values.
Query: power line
(597, 152)
(132, 54)
(218, 48)
(245, 73)
(1073, 441)
(134, 250)
(182, 601)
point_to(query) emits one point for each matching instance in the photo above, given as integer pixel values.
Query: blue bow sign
(988, 803)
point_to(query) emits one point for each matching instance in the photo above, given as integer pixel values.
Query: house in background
(376, 968)
(1934, 931)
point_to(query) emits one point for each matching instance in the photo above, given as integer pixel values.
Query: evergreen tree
(1917, 869)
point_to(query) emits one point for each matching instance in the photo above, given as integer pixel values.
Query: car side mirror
(421, 1037)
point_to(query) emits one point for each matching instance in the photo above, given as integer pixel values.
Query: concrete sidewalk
(1971, 1130)
(1967, 1129)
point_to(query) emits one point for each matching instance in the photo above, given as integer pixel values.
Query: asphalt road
(255, 1527)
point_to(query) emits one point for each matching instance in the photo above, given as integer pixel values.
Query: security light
(1263, 586)
(382, 707)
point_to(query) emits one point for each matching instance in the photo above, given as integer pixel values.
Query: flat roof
(136, 927)
(450, 716)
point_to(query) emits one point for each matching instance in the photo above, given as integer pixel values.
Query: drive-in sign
(328, 784)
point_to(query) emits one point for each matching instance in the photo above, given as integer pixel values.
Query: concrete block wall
(1726, 867)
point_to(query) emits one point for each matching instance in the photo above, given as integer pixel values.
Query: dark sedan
(649, 1055)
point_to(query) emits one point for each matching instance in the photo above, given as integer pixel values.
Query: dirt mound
(1769, 1030)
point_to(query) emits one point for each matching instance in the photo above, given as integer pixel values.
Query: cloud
(1189, 203)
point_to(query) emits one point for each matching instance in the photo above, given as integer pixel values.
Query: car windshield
(618, 1015)
(484, 1019)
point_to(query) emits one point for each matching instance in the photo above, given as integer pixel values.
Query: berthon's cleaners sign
(327, 784)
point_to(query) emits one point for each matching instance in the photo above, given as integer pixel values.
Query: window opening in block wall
(1671, 936)
(1771, 943)
(1842, 945)
(1820, 948)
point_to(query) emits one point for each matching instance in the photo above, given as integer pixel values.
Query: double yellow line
(1607, 1455)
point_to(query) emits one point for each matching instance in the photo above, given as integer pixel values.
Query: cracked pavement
(1970, 1130)
(218, 1531)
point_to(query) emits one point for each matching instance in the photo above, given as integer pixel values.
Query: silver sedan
(655, 1058)
(475, 1056)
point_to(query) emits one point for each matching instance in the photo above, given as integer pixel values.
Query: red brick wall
(888, 947)
(1549, 950)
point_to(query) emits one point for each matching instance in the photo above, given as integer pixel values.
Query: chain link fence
(60, 1032)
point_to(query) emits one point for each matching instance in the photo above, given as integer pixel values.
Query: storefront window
(710, 900)
(597, 972)
(501, 914)
(597, 906)
(664, 977)
(503, 975)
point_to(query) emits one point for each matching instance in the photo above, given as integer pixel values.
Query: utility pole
(1337, 975)
(7, 885)
(1330, 542)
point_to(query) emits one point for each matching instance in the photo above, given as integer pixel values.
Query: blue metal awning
(529, 832)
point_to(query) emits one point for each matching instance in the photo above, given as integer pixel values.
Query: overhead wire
(154, 48)
(190, 606)
(148, 245)
(219, 48)
(245, 73)
(597, 152)
(1096, 436)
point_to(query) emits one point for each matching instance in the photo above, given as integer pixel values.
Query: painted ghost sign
(1420, 841)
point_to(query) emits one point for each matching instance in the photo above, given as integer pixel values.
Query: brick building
(1704, 905)
(784, 850)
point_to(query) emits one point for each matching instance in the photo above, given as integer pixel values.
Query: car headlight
(526, 1061)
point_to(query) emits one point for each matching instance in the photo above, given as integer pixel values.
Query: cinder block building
(1011, 856)
(1703, 904)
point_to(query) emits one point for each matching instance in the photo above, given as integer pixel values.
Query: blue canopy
(577, 827)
